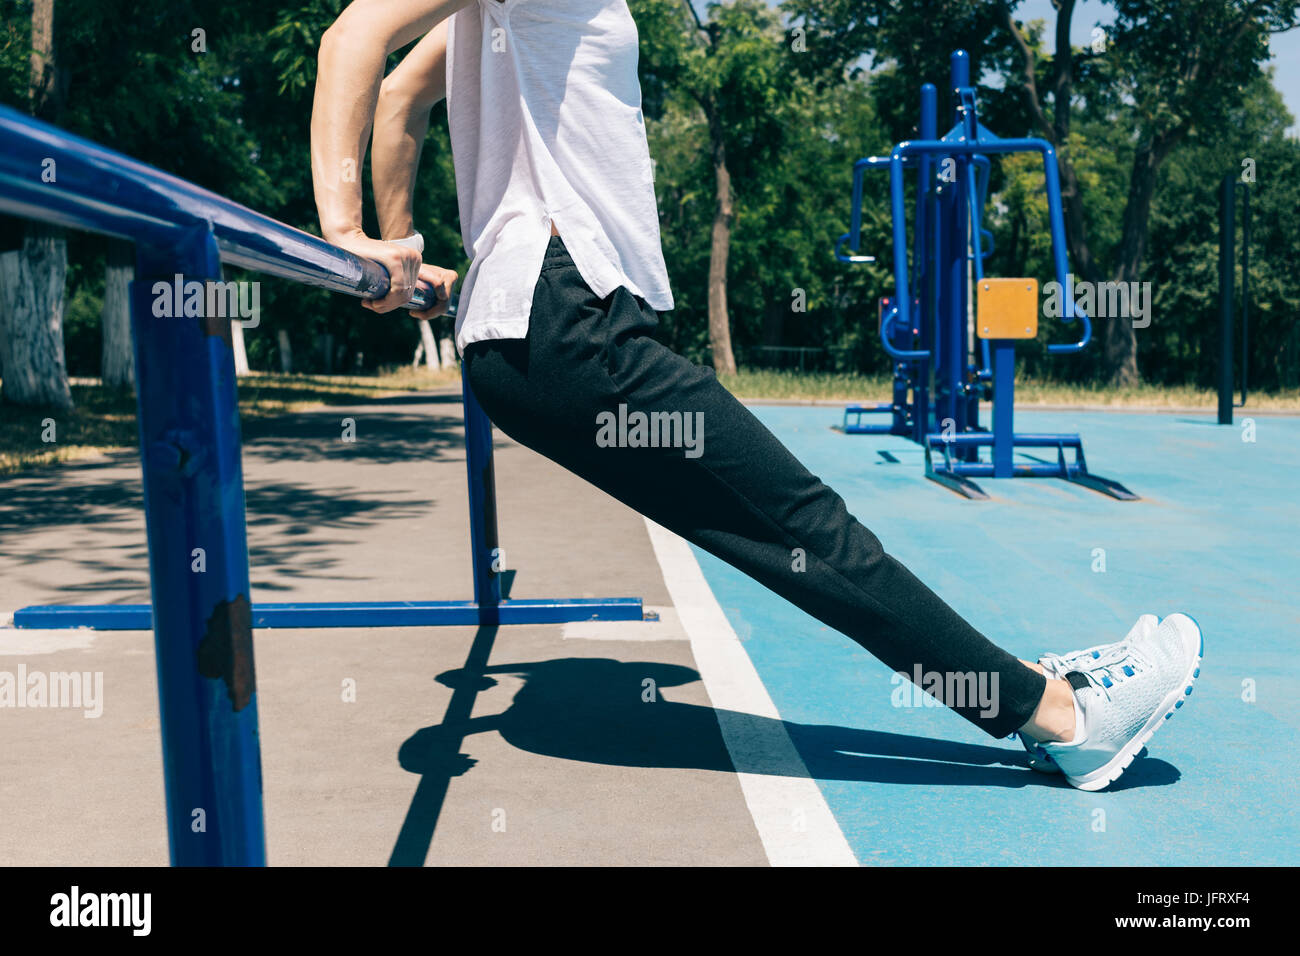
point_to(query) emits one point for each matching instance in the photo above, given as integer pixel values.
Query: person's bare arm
(406, 96)
(350, 68)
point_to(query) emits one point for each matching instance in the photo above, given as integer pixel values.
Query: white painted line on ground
(667, 628)
(793, 820)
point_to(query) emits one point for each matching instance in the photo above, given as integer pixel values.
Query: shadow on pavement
(606, 711)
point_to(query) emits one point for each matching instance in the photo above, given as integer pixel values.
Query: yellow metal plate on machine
(1006, 308)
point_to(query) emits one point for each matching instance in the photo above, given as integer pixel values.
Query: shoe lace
(1113, 668)
(1089, 657)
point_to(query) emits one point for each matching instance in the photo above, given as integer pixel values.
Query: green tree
(732, 67)
(1252, 145)
(1180, 63)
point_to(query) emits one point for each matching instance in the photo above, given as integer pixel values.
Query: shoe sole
(1108, 773)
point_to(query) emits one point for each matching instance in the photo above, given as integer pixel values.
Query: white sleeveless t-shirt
(544, 110)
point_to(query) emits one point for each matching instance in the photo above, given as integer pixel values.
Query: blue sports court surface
(1049, 566)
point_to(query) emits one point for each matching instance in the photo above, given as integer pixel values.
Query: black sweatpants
(734, 490)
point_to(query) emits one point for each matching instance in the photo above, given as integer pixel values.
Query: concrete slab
(559, 758)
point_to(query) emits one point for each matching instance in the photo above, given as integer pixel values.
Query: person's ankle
(1054, 719)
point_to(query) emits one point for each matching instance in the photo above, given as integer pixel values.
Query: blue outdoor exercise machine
(193, 480)
(950, 329)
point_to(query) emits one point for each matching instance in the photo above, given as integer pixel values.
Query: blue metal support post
(1004, 403)
(927, 229)
(484, 549)
(198, 561)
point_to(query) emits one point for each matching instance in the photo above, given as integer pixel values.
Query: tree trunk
(31, 320)
(31, 279)
(428, 348)
(115, 363)
(286, 352)
(1120, 338)
(43, 88)
(724, 362)
(237, 345)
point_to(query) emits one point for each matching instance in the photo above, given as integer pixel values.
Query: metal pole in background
(1227, 265)
(1245, 287)
(198, 557)
(927, 273)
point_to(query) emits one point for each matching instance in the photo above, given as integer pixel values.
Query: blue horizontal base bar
(981, 469)
(1019, 440)
(139, 617)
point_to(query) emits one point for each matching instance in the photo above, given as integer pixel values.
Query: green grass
(775, 385)
(104, 419)
(813, 386)
(265, 394)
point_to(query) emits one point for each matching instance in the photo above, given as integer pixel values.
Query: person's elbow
(402, 92)
(346, 37)
(334, 41)
(367, 29)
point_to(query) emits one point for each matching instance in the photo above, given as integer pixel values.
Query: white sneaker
(1057, 665)
(1124, 697)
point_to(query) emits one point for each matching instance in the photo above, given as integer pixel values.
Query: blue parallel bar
(352, 614)
(104, 191)
(193, 482)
